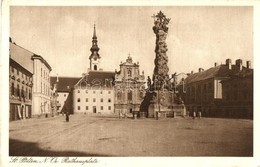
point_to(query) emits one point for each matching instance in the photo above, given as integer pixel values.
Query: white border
(131, 161)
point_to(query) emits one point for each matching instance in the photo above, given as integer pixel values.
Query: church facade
(129, 87)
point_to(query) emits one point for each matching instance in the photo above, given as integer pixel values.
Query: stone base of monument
(167, 108)
(176, 110)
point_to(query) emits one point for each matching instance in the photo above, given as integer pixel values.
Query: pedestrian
(67, 117)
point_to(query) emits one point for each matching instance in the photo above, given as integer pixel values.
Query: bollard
(194, 115)
(135, 116)
(188, 114)
(199, 113)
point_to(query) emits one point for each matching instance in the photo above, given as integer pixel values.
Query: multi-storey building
(94, 92)
(20, 82)
(129, 87)
(203, 91)
(237, 95)
(41, 87)
(29, 83)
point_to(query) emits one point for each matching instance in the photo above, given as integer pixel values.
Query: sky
(197, 37)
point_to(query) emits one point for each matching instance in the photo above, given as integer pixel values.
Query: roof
(218, 71)
(100, 78)
(42, 60)
(25, 57)
(64, 82)
(21, 56)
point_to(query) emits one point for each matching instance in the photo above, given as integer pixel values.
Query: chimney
(215, 64)
(201, 69)
(191, 72)
(228, 63)
(239, 64)
(248, 64)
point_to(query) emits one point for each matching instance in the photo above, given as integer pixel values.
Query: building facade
(41, 87)
(206, 91)
(94, 92)
(29, 83)
(129, 87)
(20, 82)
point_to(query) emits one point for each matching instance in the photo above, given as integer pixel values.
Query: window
(94, 92)
(18, 91)
(78, 91)
(86, 99)
(17, 72)
(109, 92)
(12, 89)
(101, 107)
(101, 92)
(129, 95)
(22, 93)
(94, 100)
(78, 100)
(78, 107)
(109, 107)
(86, 107)
(101, 100)
(95, 67)
(30, 94)
(86, 91)
(109, 100)
(64, 95)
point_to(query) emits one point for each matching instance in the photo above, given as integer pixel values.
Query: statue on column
(161, 68)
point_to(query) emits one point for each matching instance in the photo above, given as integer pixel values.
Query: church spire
(94, 57)
(94, 49)
(94, 34)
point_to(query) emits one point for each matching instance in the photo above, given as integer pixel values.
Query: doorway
(94, 109)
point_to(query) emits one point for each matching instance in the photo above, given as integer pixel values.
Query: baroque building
(129, 87)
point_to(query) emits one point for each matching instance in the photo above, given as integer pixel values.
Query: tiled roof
(21, 56)
(218, 71)
(64, 82)
(101, 78)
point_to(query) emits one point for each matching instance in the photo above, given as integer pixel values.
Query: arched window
(95, 67)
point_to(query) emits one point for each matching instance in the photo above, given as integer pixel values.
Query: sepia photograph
(130, 81)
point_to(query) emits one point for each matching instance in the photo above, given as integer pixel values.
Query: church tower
(94, 57)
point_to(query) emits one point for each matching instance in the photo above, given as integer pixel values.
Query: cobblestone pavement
(107, 136)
